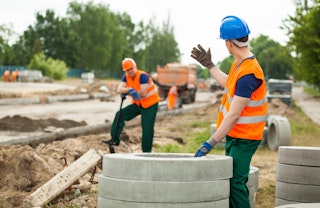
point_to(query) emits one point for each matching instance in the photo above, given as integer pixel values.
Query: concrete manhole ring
(167, 167)
(163, 191)
(279, 132)
(298, 174)
(299, 155)
(103, 202)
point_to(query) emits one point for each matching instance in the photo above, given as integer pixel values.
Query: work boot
(110, 142)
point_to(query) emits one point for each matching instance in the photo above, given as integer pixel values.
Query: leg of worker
(148, 117)
(241, 150)
(127, 113)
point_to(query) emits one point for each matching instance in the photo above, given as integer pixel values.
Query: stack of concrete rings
(253, 185)
(164, 180)
(298, 172)
(279, 132)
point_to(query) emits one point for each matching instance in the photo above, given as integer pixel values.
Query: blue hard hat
(233, 27)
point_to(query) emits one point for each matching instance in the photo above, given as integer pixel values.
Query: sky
(194, 21)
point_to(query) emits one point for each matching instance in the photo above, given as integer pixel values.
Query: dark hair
(243, 39)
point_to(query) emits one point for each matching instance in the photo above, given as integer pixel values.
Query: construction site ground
(25, 168)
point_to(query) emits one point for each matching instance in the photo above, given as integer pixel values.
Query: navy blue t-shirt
(246, 85)
(144, 79)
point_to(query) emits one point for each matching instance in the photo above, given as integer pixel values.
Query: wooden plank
(64, 179)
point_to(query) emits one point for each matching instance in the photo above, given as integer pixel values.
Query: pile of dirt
(25, 124)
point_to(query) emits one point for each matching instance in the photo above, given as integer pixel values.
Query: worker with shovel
(145, 98)
(243, 111)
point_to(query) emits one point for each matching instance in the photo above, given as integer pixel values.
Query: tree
(100, 37)
(53, 68)
(225, 64)
(303, 30)
(275, 59)
(163, 47)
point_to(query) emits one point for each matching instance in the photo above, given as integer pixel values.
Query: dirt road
(309, 105)
(88, 111)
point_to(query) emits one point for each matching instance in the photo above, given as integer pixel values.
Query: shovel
(112, 141)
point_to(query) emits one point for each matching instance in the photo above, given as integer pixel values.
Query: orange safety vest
(253, 117)
(152, 96)
(172, 97)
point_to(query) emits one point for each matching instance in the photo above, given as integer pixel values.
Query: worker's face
(131, 72)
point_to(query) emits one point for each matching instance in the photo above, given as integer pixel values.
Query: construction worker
(172, 97)
(6, 76)
(14, 76)
(145, 98)
(243, 111)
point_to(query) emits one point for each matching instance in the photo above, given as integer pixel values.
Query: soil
(24, 169)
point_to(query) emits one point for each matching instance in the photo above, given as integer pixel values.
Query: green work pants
(148, 117)
(241, 150)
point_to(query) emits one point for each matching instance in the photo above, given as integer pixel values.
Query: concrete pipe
(298, 174)
(164, 180)
(253, 185)
(253, 178)
(167, 167)
(297, 192)
(279, 132)
(109, 203)
(299, 155)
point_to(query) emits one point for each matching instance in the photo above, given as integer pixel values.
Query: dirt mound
(24, 124)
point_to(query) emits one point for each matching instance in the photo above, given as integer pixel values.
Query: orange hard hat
(128, 63)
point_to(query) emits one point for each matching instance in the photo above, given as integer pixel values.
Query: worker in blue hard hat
(243, 111)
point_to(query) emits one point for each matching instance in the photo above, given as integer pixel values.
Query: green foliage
(93, 37)
(226, 64)
(49, 67)
(5, 50)
(312, 91)
(162, 48)
(275, 60)
(303, 30)
(202, 73)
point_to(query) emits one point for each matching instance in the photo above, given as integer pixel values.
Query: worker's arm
(237, 106)
(143, 90)
(219, 75)
(123, 88)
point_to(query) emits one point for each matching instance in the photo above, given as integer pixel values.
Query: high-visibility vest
(172, 97)
(253, 117)
(152, 96)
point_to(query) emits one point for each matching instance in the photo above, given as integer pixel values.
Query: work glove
(202, 56)
(134, 94)
(123, 96)
(206, 147)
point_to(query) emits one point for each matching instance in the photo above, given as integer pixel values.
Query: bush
(55, 69)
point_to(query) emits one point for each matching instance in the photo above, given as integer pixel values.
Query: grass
(312, 91)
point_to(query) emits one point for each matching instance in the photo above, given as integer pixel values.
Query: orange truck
(184, 77)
